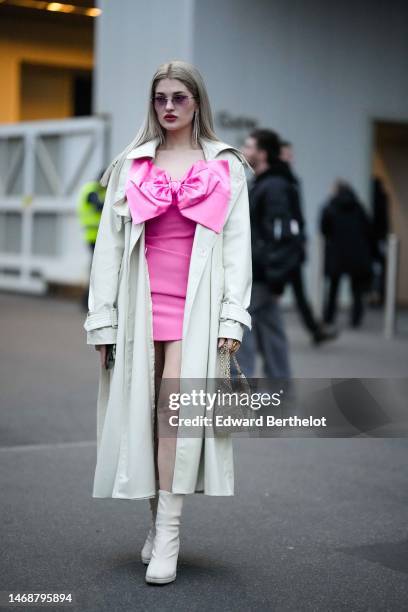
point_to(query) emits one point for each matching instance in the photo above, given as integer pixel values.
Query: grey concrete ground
(315, 524)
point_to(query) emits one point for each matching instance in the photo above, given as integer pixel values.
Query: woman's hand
(102, 353)
(232, 344)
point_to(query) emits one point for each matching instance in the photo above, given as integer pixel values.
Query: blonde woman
(170, 284)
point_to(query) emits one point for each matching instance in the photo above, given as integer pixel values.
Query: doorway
(390, 165)
(54, 92)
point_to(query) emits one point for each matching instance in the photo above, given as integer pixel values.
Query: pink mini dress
(171, 210)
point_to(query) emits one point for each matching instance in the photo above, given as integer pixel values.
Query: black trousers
(268, 336)
(357, 290)
(296, 281)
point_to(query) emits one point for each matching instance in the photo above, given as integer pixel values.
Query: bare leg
(167, 438)
(159, 365)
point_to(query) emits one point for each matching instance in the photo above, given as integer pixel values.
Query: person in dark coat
(316, 328)
(348, 250)
(269, 194)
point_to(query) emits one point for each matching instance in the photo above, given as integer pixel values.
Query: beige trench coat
(120, 311)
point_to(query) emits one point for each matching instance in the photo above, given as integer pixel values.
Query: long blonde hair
(151, 128)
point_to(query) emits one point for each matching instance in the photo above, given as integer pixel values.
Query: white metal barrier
(43, 165)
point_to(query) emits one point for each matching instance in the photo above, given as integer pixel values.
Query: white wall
(132, 38)
(315, 71)
(318, 72)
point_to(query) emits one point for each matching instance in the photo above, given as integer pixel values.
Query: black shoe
(323, 334)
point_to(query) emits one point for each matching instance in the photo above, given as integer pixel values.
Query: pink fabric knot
(175, 186)
(201, 195)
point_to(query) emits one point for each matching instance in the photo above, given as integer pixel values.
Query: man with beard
(269, 199)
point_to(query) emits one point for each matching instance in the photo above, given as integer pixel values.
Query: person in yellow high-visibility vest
(90, 205)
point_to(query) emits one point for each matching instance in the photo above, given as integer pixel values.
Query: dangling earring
(195, 128)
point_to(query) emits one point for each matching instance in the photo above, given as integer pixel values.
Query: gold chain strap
(225, 362)
(242, 386)
(225, 366)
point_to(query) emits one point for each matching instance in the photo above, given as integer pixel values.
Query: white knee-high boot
(146, 552)
(166, 544)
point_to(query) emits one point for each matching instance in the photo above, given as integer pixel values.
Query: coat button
(203, 252)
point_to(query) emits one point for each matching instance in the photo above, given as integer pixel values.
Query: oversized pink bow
(202, 194)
